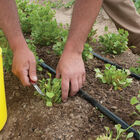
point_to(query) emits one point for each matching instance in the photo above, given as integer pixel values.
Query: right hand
(72, 71)
(24, 65)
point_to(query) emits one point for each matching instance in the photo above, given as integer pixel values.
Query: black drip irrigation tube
(117, 66)
(101, 108)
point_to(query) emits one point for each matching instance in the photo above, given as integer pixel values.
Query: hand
(24, 66)
(71, 69)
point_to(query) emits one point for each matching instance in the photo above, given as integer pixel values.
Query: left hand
(72, 71)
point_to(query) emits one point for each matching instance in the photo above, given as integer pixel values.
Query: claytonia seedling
(136, 101)
(52, 90)
(116, 77)
(114, 43)
(136, 70)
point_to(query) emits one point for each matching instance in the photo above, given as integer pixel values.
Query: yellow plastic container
(3, 108)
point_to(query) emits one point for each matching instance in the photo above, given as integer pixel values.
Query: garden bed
(30, 119)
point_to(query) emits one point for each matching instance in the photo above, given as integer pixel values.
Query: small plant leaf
(48, 103)
(50, 94)
(136, 123)
(130, 135)
(138, 107)
(134, 101)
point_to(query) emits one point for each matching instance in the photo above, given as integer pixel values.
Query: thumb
(32, 71)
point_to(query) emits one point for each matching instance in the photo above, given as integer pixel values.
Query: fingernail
(34, 78)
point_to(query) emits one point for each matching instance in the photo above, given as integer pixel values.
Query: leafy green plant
(114, 43)
(116, 77)
(45, 29)
(136, 101)
(52, 90)
(39, 21)
(136, 70)
(87, 52)
(91, 35)
(24, 10)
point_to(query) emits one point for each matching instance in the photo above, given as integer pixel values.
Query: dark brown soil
(30, 119)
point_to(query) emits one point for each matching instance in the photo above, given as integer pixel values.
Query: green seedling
(114, 43)
(136, 70)
(52, 90)
(91, 35)
(136, 101)
(112, 76)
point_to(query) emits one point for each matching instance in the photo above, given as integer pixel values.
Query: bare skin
(71, 67)
(24, 64)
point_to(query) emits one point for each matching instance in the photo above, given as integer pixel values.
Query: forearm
(83, 17)
(9, 23)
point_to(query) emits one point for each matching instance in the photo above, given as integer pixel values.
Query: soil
(30, 119)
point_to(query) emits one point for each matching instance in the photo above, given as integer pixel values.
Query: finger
(74, 86)
(65, 88)
(80, 79)
(32, 71)
(24, 78)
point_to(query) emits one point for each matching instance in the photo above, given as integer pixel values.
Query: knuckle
(76, 89)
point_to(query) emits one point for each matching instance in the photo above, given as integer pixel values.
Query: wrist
(74, 47)
(18, 43)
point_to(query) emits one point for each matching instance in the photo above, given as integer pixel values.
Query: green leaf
(97, 70)
(48, 103)
(107, 128)
(130, 135)
(136, 123)
(50, 94)
(138, 107)
(134, 100)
